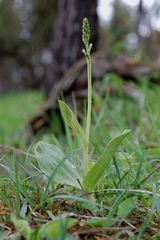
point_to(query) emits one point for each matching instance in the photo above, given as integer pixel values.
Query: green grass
(126, 204)
(15, 109)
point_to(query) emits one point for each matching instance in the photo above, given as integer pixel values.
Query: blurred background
(40, 40)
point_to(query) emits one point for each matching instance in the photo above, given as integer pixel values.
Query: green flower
(85, 32)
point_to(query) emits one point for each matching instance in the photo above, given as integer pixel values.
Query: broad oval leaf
(53, 229)
(49, 157)
(97, 171)
(127, 206)
(70, 118)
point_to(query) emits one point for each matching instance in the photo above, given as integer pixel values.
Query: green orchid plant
(52, 160)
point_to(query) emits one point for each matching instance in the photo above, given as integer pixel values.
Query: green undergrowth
(126, 203)
(15, 110)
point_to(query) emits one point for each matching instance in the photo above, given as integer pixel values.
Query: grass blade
(18, 199)
(54, 174)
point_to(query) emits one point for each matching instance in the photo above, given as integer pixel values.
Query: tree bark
(66, 44)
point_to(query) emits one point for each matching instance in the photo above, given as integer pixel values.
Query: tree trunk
(66, 42)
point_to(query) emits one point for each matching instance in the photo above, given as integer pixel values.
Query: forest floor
(126, 205)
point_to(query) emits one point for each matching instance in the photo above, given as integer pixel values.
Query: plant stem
(85, 157)
(89, 110)
(89, 98)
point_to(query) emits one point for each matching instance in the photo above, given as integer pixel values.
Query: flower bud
(90, 46)
(84, 51)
